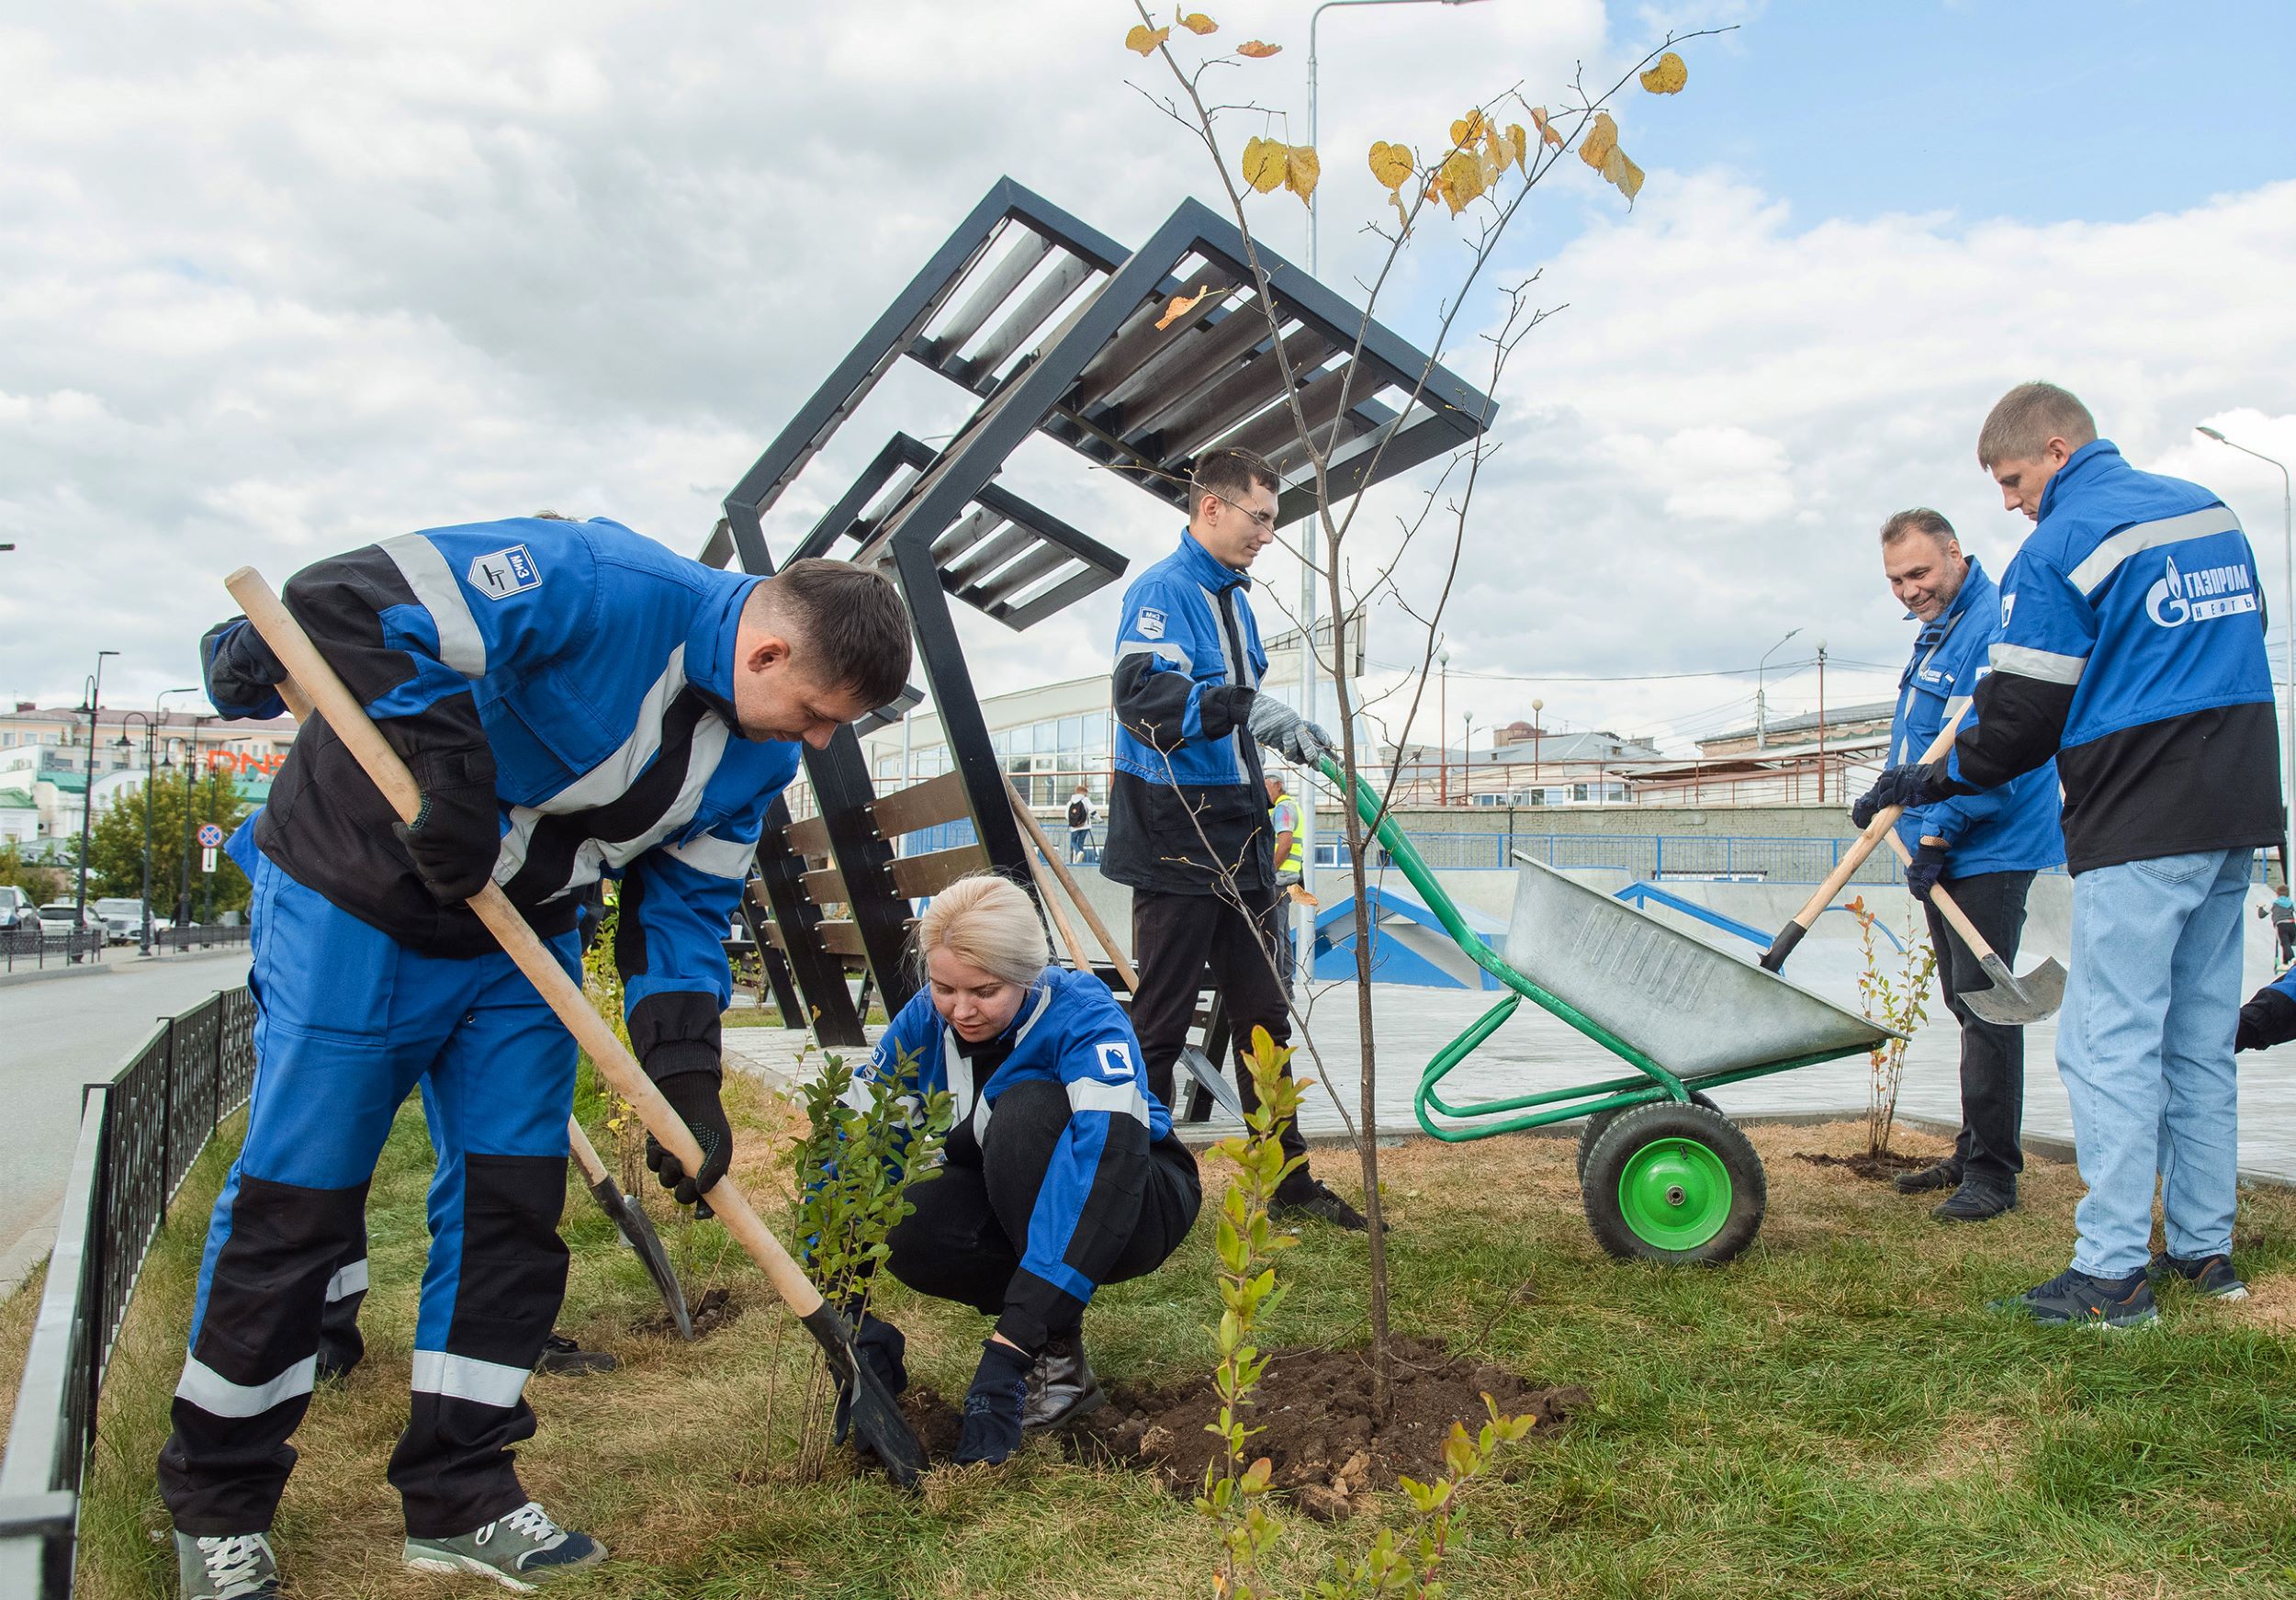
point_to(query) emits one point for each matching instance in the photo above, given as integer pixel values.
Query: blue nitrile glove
(879, 1346)
(1905, 786)
(992, 1406)
(1924, 871)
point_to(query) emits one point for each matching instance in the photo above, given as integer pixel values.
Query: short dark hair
(1229, 473)
(1920, 520)
(852, 622)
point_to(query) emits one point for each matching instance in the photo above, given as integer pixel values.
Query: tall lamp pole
(160, 703)
(1821, 722)
(1443, 718)
(144, 939)
(1307, 546)
(1539, 732)
(1762, 702)
(1467, 759)
(191, 796)
(2288, 614)
(87, 793)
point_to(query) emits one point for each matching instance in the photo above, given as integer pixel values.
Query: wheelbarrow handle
(350, 723)
(1885, 822)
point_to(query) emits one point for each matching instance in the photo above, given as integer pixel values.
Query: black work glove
(877, 1346)
(694, 1096)
(992, 1406)
(1924, 871)
(1907, 787)
(239, 667)
(2269, 1019)
(457, 834)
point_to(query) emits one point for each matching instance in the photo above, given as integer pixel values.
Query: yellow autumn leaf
(1522, 142)
(1613, 165)
(1264, 161)
(1468, 128)
(1547, 129)
(1629, 178)
(1302, 170)
(1599, 141)
(1502, 149)
(1181, 305)
(1198, 23)
(1391, 163)
(1144, 39)
(1403, 217)
(1461, 180)
(1487, 165)
(1668, 76)
(1257, 51)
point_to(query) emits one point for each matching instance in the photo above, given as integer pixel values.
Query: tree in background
(39, 883)
(115, 845)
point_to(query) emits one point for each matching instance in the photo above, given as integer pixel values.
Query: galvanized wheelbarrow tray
(1664, 1173)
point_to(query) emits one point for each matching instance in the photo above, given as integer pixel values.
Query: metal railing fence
(29, 947)
(140, 1133)
(199, 936)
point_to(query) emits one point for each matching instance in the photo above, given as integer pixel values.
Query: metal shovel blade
(1215, 1082)
(2013, 1001)
(636, 1229)
(875, 1415)
(1689, 1007)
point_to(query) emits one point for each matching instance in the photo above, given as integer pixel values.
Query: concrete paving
(53, 1038)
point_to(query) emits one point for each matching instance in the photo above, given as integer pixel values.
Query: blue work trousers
(348, 1021)
(2145, 1049)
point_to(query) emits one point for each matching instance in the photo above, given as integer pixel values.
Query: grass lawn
(1836, 1413)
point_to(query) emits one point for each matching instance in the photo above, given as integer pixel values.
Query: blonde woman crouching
(1062, 1172)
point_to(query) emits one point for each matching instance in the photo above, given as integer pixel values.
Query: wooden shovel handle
(1884, 821)
(349, 721)
(1955, 917)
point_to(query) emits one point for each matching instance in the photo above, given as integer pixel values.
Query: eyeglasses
(1266, 519)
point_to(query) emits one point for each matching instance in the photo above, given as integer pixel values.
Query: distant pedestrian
(1079, 824)
(2133, 650)
(2283, 914)
(1982, 849)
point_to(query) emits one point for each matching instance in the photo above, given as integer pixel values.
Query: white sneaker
(237, 1566)
(521, 1551)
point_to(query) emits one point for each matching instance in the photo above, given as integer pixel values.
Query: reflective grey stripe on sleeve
(2106, 558)
(1164, 649)
(721, 858)
(460, 645)
(1122, 1099)
(2045, 664)
(218, 1396)
(464, 1377)
(1955, 706)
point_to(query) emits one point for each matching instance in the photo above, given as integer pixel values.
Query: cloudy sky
(279, 278)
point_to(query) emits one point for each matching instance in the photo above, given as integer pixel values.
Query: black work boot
(1945, 1173)
(1975, 1201)
(1060, 1385)
(1318, 1199)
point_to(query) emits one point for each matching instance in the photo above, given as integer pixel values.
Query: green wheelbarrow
(1664, 1175)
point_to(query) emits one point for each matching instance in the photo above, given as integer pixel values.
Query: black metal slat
(995, 288)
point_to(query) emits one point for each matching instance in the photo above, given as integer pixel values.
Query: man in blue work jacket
(575, 702)
(1984, 849)
(1187, 807)
(2132, 650)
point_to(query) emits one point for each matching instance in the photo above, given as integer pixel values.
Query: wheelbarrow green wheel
(1590, 1131)
(1675, 1183)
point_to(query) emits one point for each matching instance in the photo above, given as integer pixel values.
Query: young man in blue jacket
(1984, 847)
(1187, 807)
(2133, 650)
(575, 702)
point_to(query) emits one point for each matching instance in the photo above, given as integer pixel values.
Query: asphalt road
(57, 1034)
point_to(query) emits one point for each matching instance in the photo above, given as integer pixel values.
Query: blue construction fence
(1643, 857)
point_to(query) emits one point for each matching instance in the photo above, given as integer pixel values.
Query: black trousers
(1175, 938)
(2286, 933)
(1992, 1057)
(966, 1238)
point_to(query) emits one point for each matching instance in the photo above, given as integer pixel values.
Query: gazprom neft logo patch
(504, 573)
(2213, 592)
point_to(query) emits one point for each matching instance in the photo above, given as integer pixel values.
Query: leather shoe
(1975, 1202)
(1946, 1174)
(1060, 1385)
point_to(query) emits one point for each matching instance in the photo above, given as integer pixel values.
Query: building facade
(48, 762)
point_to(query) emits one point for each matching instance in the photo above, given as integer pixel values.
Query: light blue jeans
(2145, 1049)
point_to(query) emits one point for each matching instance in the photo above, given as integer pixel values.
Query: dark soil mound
(1876, 1168)
(1313, 1409)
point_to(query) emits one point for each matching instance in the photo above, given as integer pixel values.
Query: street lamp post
(1821, 722)
(2288, 730)
(1539, 732)
(1443, 718)
(149, 772)
(1467, 759)
(191, 796)
(1762, 702)
(87, 793)
(144, 939)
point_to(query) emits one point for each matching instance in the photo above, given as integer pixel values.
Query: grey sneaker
(520, 1551)
(2211, 1276)
(237, 1566)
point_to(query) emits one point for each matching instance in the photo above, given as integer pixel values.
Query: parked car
(123, 918)
(15, 909)
(64, 917)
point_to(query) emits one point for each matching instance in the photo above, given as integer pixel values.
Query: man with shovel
(574, 702)
(1983, 848)
(2133, 650)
